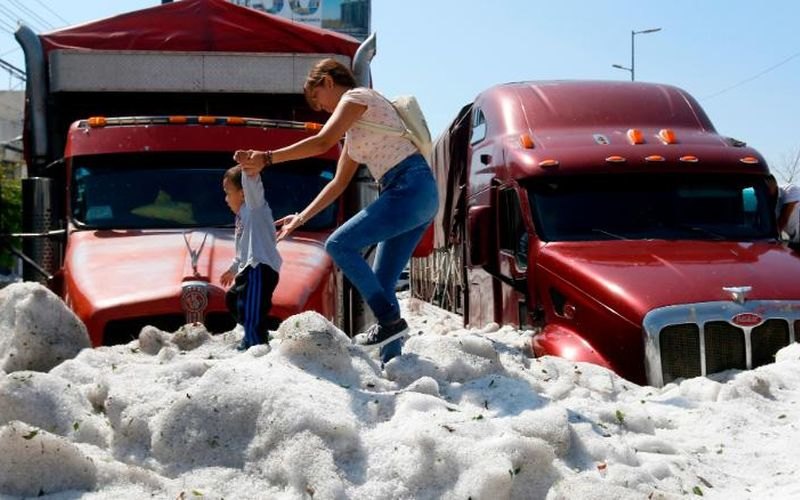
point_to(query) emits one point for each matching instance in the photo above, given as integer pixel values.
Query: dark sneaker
(378, 335)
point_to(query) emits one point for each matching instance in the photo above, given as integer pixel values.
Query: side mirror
(482, 237)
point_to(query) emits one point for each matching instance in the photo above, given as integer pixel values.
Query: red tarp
(200, 25)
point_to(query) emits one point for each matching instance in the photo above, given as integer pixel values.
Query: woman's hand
(251, 160)
(288, 224)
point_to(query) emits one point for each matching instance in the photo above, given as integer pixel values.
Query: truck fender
(558, 340)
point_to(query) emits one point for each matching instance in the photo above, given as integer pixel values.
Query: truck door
(513, 260)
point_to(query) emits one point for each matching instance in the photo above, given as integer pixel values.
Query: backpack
(416, 128)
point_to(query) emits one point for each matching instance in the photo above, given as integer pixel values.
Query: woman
(407, 202)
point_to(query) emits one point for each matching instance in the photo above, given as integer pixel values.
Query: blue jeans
(407, 202)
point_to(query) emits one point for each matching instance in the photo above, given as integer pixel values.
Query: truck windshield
(670, 207)
(177, 191)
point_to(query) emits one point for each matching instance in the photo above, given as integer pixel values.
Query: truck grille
(700, 339)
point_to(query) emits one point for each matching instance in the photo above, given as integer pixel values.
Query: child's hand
(252, 161)
(227, 278)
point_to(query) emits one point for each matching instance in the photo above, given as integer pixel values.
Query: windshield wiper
(603, 231)
(702, 230)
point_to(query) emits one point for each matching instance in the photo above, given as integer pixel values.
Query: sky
(461, 414)
(740, 58)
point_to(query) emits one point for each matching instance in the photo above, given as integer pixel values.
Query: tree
(10, 218)
(788, 169)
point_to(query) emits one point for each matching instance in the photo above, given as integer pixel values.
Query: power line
(750, 79)
(3, 54)
(14, 17)
(23, 8)
(52, 12)
(12, 69)
(5, 26)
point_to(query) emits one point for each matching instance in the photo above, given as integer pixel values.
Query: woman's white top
(377, 150)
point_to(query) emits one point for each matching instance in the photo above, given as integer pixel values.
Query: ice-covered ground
(462, 414)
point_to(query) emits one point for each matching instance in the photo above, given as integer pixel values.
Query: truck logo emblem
(194, 254)
(194, 299)
(747, 319)
(738, 293)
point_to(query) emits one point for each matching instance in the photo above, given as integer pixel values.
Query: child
(254, 271)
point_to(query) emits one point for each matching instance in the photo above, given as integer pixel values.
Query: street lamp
(632, 69)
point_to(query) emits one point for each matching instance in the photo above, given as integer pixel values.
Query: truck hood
(633, 277)
(115, 268)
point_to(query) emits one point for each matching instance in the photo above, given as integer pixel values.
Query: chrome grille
(767, 339)
(698, 339)
(682, 342)
(725, 347)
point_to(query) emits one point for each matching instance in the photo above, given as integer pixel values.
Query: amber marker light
(234, 120)
(526, 141)
(207, 120)
(548, 163)
(313, 127)
(178, 119)
(667, 136)
(654, 158)
(635, 136)
(616, 159)
(689, 159)
(750, 160)
(97, 121)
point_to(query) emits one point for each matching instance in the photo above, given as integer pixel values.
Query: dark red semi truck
(130, 123)
(615, 221)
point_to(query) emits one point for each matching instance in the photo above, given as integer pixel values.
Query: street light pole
(632, 69)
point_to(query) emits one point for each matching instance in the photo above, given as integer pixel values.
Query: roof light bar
(667, 136)
(526, 141)
(102, 121)
(635, 136)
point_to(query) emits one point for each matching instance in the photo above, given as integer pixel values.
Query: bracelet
(268, 158)
(298, 216)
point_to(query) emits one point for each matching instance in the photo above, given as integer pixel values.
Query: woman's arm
(345, 170)
(343, 117)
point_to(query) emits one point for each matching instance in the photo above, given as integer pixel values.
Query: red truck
(613, 220)
(130, 123)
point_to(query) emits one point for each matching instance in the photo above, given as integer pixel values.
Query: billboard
(351, 17)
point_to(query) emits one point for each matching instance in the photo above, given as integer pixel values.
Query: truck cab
(131, 122)
(612, 219)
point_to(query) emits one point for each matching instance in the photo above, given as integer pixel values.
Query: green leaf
(197, 493)
(76, 426)
(30, 435)
(479, 417)
(697, 491)
(620, 416)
